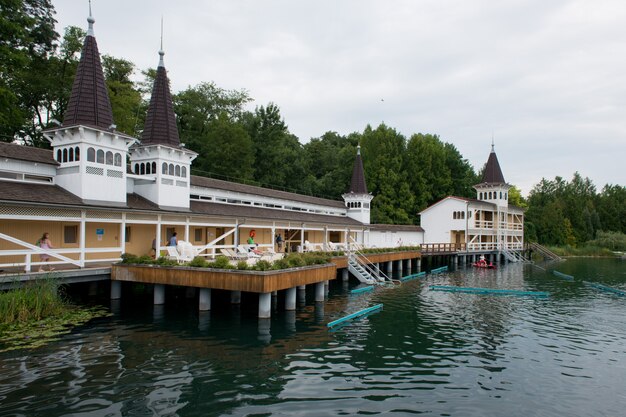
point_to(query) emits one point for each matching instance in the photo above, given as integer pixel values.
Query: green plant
(280, 264)
(295, 260)
(198, 262)
(262, 265)
(221, 262)
(242, 265)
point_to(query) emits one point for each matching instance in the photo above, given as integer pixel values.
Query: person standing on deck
(45, 243)
(173, 240)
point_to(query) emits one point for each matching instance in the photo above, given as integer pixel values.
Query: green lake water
(427, 353)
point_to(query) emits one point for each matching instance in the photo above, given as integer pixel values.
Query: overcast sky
(545, 78)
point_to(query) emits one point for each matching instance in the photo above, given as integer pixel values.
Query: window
(91, 155)
(109, 158)
(154, 168)
(77, 154)
(136, 168)
(170, 170)
(100, 156)
(127, 234)
(198, 235)
(142, 168)
(454, 214)
(148, 168)
(500, 195)
(59, 155)
(71, 158)
(64, 155)
(118, 160)
(177, 171)
(70, 234)
(164, 169)
(183, 172)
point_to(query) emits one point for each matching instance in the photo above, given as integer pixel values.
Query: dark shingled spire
(160, 126)
(358, 186)
(493, 173)
(89, 103)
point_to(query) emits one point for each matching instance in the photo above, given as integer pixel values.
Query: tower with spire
(492, 187)
(90, 152)
(161, 164)
(357, 199)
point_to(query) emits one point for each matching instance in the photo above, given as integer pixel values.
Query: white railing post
(83, 237)
(27, 266)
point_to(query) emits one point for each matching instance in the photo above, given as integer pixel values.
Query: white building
(487, 223)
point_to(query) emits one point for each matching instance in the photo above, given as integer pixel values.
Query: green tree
(515, 197)
(227, 151)
(27, 39)
(129, 109)
(382, 149)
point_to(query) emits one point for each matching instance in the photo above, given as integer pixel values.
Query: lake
(427, 352)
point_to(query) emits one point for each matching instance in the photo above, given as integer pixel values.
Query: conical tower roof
(493, 173)
(160, 127)
(358, 185)
(89, 102)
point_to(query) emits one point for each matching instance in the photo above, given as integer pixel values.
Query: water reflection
(426, 352)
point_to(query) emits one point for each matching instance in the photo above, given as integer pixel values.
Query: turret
(91, 153)
(161, 164)
(492, 187)
(357, 199)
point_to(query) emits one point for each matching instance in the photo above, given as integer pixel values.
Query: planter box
(224, 279)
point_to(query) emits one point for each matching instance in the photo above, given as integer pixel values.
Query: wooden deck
(225, 279)
(342, 261)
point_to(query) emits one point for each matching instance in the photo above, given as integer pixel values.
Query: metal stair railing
(545, 252)
(359, 272)
(365, 263)
(514, 256)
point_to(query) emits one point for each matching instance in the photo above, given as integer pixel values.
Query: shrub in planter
(295, 260)
(221, 262)
(280, 264)
(262, 265)
(198, 262)
(242, 265)
(162, 261)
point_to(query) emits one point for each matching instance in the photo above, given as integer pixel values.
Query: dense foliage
(404, 174)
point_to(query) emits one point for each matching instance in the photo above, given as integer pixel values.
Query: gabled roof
(260, 191)
(358, 185)
(89, 103)
(493, 173)
(160, 126)
(396, 227)
(462, 199)
(26, 153)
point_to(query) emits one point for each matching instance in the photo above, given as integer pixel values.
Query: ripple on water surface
(426, 353)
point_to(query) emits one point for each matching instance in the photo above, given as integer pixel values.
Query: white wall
(382, 239)
(438, 220)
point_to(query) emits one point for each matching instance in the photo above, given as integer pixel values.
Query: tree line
(405, 174)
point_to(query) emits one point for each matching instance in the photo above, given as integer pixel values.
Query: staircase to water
(364, 270)
(545, 252)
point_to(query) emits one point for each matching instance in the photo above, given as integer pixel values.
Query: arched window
(462, 214)
(136, 168)
(100, 156)
(148, 171)
(91, 155)
(454, 214)
(64, 155)
(59, 155)
(171, 169)
(183, 172)
(506, 196)
(164, 169)
(489, 195)
(154, 168)
(77, 154)
(71, 157)
(500, 195)
(143, 168)
(118, 160)
(177, 170)
(109, 158)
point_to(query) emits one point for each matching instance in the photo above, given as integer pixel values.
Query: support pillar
(319, 291)
(290, 299)
(235, 297)
(116, 290)
(419, 265)
(93, 289)
(400, 266)
(159, 294)
(205, 299)
(265, 305)
(409, 265)
(345, 275)
(389, 268)
(302, 294)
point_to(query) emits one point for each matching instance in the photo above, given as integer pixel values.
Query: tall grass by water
(34, 301)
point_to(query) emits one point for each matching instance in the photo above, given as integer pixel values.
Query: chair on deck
(173, 255)
(242, 250)
(232, 255)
